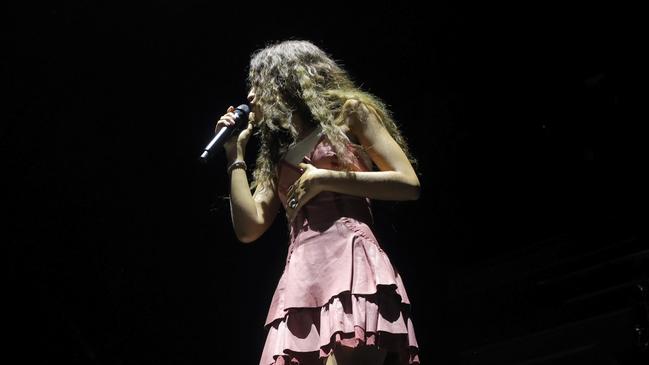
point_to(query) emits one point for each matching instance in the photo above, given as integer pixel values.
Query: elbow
(413, 188)
(245, 240)
(251, 231)
(415, 192)
(246, 237)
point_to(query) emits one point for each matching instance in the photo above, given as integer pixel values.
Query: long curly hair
(298, 77)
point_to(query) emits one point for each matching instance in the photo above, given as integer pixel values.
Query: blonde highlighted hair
(298, 77)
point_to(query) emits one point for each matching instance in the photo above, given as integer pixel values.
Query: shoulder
(360, 117)
(353, 109)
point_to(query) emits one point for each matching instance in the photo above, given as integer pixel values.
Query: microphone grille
(244, 108)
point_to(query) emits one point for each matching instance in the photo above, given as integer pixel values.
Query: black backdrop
(120, 249)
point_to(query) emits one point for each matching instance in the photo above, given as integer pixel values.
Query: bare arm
(251, 214)
(397, 179)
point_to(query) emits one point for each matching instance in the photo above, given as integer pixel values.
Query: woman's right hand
(235, 146)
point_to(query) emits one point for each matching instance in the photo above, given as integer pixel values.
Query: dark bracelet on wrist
(237, 165)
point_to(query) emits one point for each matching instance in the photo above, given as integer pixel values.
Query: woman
(339, 300)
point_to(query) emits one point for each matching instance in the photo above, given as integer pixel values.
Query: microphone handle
(240, 118)
(219, 136)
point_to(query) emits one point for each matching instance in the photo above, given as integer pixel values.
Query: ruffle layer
(306, 336)
(350, 259)
(339, 289)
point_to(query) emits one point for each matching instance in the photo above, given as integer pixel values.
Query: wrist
(324, 179)
(238, 164)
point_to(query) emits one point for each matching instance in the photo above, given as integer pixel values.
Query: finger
(289, 198)
(289, 213)
(244, 135)
(224, 123)
(288, 205)
(299, 194)
(220, 124)
(246, 132)
(230, 109)
(229, 119)
(227, 116)
(303, 165)
(294, 211)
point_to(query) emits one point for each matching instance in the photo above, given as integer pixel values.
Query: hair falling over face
(296, 77)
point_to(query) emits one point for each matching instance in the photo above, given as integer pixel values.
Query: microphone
(240, 120)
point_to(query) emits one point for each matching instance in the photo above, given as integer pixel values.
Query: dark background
(120, 248)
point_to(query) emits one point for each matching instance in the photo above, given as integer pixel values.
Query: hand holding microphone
(231, 124)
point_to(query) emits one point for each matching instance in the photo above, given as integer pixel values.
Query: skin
(252, 214)
(396, 180)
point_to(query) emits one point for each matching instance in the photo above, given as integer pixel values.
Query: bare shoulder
(361, 119)
(366, 125)
(344, 123)
(350, 112)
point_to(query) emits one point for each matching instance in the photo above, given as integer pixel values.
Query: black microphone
(240, 120)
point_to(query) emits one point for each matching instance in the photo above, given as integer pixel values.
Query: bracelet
(237, 165)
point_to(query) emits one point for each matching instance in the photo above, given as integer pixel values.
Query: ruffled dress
(338, 287)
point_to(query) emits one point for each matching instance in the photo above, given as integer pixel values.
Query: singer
(326, 149)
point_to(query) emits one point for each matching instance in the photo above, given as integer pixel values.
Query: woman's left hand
(303, 189)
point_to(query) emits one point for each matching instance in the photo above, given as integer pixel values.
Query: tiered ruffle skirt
(339, 288)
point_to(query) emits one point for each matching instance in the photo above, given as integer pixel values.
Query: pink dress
(338, 287)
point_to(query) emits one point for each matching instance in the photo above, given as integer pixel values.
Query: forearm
(380, 185)
(242, 207)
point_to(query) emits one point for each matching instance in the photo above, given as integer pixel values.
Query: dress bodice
(326, 207)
